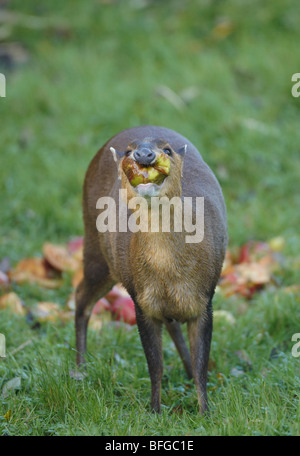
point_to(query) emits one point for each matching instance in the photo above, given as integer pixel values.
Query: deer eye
(128, 152)
(167, 151)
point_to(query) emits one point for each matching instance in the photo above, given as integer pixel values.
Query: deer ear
(117, 155)
(182, 150)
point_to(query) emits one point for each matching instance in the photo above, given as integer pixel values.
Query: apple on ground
(101, 306)
(123, 309)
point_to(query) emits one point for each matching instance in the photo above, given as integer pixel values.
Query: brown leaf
(60, 258)
(51, 312)
(12, 302)
(46, 311)
(31, 266)
(253, 273)
(35, 270)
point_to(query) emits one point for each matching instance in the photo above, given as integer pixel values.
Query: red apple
(123, 309)
(101, 306)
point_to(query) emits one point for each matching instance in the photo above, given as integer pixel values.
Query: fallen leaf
(253, 273)
(12, 302)
(31, 266)
(7, 415)
(35, 270)
(46, 311)
(248, 270)
(253, 251)
(60, 258)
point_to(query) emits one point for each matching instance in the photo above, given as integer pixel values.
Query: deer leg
(86, 295)
(200, 332)
(150, 334)
(174, 329)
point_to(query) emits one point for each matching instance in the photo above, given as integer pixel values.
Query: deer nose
(144, 156)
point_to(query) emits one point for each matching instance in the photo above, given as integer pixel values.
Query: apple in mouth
(139, 174)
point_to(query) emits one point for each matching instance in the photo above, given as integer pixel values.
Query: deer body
(170, 280)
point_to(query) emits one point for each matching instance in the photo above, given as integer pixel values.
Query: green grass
(263, 400)
(93, 72)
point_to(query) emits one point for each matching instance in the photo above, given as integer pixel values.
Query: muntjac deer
(170, 277)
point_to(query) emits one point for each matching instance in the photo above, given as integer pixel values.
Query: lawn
(220, 74)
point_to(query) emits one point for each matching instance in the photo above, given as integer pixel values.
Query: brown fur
(170, 281)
